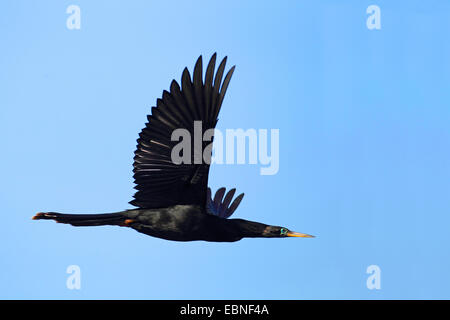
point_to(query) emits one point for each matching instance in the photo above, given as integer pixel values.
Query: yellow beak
(298, 234)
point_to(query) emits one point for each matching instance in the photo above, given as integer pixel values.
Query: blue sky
(364, 123)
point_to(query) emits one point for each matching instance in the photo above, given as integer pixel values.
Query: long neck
(249, 229)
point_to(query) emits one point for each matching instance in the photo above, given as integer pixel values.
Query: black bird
(173, 199)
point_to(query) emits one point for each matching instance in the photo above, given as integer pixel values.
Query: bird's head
(282, 232)
(251, 229)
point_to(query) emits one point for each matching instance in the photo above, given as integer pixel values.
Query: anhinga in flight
(173, 199)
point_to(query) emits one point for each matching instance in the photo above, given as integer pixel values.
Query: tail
(82, 220)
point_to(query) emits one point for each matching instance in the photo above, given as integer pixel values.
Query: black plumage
(173, 199)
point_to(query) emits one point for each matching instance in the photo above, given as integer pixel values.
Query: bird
(173, 200)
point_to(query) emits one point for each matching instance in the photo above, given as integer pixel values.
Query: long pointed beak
(298, 234)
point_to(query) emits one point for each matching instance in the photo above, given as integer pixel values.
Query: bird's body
(178, 223)
(184, 223)
(173, 198)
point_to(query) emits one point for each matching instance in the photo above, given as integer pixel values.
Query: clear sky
(364, 123)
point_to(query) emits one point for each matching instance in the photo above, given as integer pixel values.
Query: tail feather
(81, 220)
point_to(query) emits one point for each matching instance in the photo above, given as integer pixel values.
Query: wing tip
(224, 207)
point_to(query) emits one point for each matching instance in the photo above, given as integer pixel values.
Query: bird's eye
(283, 231)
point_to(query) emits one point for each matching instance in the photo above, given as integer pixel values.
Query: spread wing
(160, 180)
